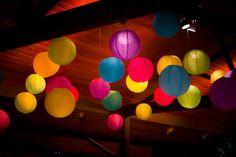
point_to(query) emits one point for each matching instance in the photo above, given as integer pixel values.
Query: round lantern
(191, 98)
(4, 121)
(140, 69)
(111, 69)
(196, 62)
(222, 94)
(136, 87)
(59, 103)
(58, 82)
(44, 66)
(125, 44)
(113, 101)
(216, 75)
(75, 93)
(166, 24)
(35, 84)
(25, 102)
(166, 61)
(62, 51)
(99, 88)
(161, 98)
(115, 121)
(143, 111)
(174, 80)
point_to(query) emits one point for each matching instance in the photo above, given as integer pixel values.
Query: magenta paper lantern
(140, 69)
(125, 44)
(115, 121)
(58, 82)
(4, 121)
(99, 88)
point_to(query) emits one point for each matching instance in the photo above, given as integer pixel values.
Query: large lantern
(196, 62)
(216, 75)
(99, 88)
(25, 102)
(125, 44)
(58, 82)
(143, 111)
(136, 87)
(174, 80)
(113, 101)
(161, 98)
(4, 121)
(35, 84)
(115, 121)
(166, 61)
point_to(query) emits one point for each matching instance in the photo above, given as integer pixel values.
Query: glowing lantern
(58, 82)
(99, 88)
(216, 75)
(136, 87)
(4, 121)
(125, 44)
(44, 66)
(228, 74)
(166, 24)
(161, 98)
(62, 51)
(59, 103)
(113, 101)
(140, 69)
(25, 102)
(143, 111)
(115, 121)
(196, 62)
(111, 69)
(75, 93)
(166, 61)
(174, 80)
(35, 84)
(191, 98)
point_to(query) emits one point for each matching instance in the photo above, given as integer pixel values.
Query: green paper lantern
(113, 101)
(191, 98)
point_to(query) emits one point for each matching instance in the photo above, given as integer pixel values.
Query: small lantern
(35, 84)
(99, 88)
(113, 101)
(143, 111)
(136, 87)
(115, 121)
(25, 102)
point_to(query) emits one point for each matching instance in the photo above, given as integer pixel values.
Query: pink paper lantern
(4, 121)
(140, 69)
(99, 88)
(58, 82)
(75, 93)
(161, 98)
(115, 121)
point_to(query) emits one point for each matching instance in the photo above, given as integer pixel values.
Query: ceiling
(90, 27)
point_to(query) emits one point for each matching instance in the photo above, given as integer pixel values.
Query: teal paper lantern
(113, 101)
(174, 80)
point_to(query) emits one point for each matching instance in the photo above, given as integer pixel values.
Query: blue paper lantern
(174, 80)
(166, 24)
(113, 101)
(111, 69)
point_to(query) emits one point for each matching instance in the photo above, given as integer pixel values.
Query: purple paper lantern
(228, 74)
(115, 121)
(99, 88)
(58, 82)
(125, 44)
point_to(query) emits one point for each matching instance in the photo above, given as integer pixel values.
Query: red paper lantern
(4, 121)
(75, 93)
(115, 121)
(161, 98)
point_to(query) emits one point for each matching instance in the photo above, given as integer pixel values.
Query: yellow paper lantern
(136, 87)
(62, 51)
(59, 102)
(143, 111)
(35, 84)
(44, 66)
(25, 102)
(167, 60)
(216, 75)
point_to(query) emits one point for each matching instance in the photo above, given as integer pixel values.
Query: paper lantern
(99, 88)
(191, 98)
(111, 69)
(62, 51)
(161, 98)
(143, 111)
(35, 84)
(125, 44)
(166, 61)
(136, 87)
(216, 75)
(228, 74)
(222, 93)
(174, 80)
(44, 66)
(140, 69)
(59, 102)
(113, 101)
(58, 82)
(115, 121)
(166, 24)
(25, 102)
(4, 121)
(196, 62)
(75, 93)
